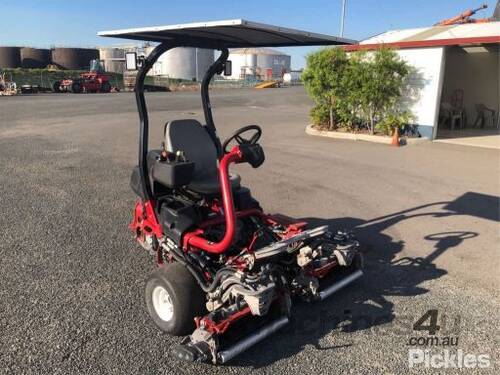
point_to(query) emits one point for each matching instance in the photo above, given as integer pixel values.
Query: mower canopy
(220, 35)
(237, 33)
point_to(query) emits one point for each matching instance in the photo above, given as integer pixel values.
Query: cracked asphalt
(72, 278)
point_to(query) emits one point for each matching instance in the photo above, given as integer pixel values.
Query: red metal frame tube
(194, 239)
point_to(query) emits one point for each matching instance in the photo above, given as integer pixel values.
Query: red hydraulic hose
(193, 239)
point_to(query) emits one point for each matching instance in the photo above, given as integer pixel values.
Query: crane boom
(463, 17)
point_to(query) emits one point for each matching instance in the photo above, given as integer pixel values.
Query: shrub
(392, 121)
(323, 81)
(320, 116)
(362, 88)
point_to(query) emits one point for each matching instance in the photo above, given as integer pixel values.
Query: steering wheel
(237, 135)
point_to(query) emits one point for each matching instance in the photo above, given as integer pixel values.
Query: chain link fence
(45, 79)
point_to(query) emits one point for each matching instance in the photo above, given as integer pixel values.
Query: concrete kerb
(360, 136)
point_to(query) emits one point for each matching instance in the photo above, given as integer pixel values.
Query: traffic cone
(395, 137)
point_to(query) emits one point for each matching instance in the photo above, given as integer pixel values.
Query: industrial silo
(184, 63)
(34, 57)
(74, 58)
(10, 57)
(262, 63)
(113, 59)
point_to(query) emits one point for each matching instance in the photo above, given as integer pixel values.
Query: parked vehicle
(89, 82)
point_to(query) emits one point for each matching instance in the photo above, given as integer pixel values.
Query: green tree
(364, 87)
(323, 79)
(376, 83)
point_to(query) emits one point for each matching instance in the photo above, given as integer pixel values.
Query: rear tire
(56, 86)
(105, 87)
(174, 299)
(76, 88)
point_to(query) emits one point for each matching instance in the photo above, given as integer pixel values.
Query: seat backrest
(190, 137)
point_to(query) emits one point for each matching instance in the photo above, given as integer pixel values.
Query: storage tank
(74, 58)
(10, 57)
(264, 63)
(292, 77)
(184, 63)
(33, 58)
(113, 59)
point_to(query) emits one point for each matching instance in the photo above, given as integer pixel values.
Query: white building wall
(426, 82)
(425, 85)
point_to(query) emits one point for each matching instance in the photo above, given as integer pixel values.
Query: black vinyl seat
(190, 137)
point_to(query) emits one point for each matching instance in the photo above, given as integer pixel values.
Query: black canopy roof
(229, 34)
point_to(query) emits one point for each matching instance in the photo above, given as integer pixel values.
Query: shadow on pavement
(363, 305)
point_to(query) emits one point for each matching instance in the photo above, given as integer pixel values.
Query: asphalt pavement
(72, 278)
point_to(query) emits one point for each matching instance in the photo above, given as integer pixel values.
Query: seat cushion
(190, 137)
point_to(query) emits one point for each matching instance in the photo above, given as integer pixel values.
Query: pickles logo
(447, 359)
(420, 355)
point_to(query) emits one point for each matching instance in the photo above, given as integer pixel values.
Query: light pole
(342, 19)
(196, 62)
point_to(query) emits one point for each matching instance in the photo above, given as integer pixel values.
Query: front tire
(174, 299)
(76, 88)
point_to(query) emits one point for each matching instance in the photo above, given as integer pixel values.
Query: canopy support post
(143, 116)
(216, 68)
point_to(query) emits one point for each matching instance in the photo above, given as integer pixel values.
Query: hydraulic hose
(191, 268)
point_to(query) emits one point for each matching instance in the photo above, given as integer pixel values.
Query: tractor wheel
(56, 86)
(105, 87)
(76, 88)
(174, 299)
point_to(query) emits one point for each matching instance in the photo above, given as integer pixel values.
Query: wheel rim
(162, 303)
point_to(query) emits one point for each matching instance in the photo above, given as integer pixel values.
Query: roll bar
(216, 68)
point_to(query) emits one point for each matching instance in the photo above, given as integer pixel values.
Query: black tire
(186, 296)
(105, 87)
(56, 86)
(76, 87)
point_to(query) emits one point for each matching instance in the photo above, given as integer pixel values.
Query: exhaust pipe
(340, 284)
(251, 340)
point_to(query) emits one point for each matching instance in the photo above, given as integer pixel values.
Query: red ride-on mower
(93, 81)
(227, 270)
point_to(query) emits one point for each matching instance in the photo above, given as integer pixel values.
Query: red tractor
(90, 82)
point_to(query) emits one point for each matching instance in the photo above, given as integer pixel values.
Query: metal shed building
(455, 77)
